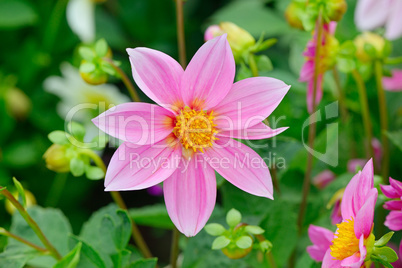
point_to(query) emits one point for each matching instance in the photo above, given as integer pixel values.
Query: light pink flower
(322, 239)
(394, 191)
(358, 163)
(353, 236)
(326, 60)
(393, 83)
(371, 14)
(323, 178)
(182, 141)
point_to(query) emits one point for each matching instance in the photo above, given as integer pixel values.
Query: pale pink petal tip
(212, 31)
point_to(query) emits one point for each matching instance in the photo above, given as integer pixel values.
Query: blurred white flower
(81, 100)
(81, 19)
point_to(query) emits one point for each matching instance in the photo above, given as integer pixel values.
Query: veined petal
(389, 191)
(329, 261)
(137, 123)
(393, 205)
(397, 185)
(209, 75)
(135, 167)
(394, 220)
(190, 195)
(365, 216)
(370, 14)
(322, 239)
(257, 132)
(347, 207)
(249, 102)
(158, 75)
(366, 183)
(393, 83)
(357, 259)
(393, 28)
(241, 166)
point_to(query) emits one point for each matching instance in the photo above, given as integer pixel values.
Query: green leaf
(346, 65)
(214, 229)
(94, 173)
(244, 242)
(264, 64)
(370, 50)
(107, 68)
(220, 242)
(86, 53)
(256, 230)
(16, 14)
(383, 240)
(71, 259)
(233, 217)
(101, 48)
(16, 257)
(386, 254)
(153, 216)
(396, 138)
(88, 254)
(385, 263)
(58, 137)
(145, 263)
(77, 167)
(120, 229)
(87, 67)
(21, 191)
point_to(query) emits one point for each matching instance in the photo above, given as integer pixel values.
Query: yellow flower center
(195, 129)
(345, 244)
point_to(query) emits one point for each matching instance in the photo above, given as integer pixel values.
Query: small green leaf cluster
(237, 241)
(69, 153)
(383, 254)
(96, 62)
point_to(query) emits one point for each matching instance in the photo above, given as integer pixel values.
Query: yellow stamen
(195, 129)
(345, 244)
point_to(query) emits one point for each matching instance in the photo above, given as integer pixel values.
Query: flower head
(182, 141)
(394, 191)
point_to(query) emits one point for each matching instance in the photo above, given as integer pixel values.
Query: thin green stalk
(174, 252)
(312, 128)
(56, 189)
(253, 65)
(180, 33)
(139, 240)
(22, 240)
(34, 226)
(52, 27)
(341, 96)
(130, 87)
(365, 113)
(383, 120)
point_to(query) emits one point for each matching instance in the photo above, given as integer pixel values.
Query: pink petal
(241, 166)
(158, 75)
(357, 259)
(190, 195)
(370, 14)
(137, 123)
(249, 102)
(366, 183)
(389, 191)
(393, 205)
(321, 238)
(347, 205)
(135, 167)
(257, 132)
(316, 253)
(336, 215)
(307, 71)
(323, 178)
(209, 75)
(329, 261)
(393, 83)
(397, 185)
(394, 220)
(365, 216)
(394, 22)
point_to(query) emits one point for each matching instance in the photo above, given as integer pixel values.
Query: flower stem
(383, 120)
(56, 189)
(125, 79)
(180, 33)
(253, 65)
(312, 128)
(139, 240)
(365, 113)
(22, 240)
(174, 253)
(31, 223)
(341, 96)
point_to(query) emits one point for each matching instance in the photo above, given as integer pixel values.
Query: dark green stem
(22, 240)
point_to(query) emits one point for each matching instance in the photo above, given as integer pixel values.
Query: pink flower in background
(182, 141)
(322, 239)
(336, 201)
(357, 163)
(394, 191)
(393, 83)
(371, 14)
(323, 179)
(327, 52)
(155, 190)
(353, 236)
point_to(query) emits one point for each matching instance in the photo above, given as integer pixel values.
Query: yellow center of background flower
(345, 244)
(195, 129)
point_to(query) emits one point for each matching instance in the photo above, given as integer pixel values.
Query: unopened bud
(29, 197)
(369, 46)
(336, 9)
(293, 14)
(18, 103)
(56, 158)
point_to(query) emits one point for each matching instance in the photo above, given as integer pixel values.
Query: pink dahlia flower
(370, 14)
(182, 141)
(393, 83)
(322, 239)
(393, 191)
(354, 235)
(323, 178)
(326, 61)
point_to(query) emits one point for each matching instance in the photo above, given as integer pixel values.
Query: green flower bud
(18, 103)
(336, 9)
(56, 159)
(92, 75)
(29, 197)
(294, 13)
(369, 46)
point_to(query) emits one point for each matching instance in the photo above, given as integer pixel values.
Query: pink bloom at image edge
(393, 83)
(394, 191)
(205, 87)
(307, 70)
(371, 14)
